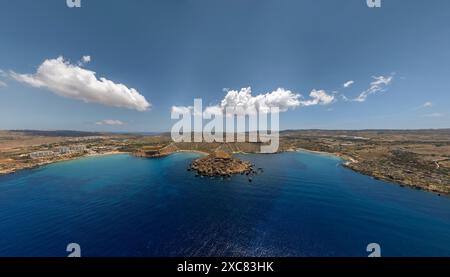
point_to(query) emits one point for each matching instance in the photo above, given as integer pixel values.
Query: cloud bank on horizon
(110, 122)
(72, 81)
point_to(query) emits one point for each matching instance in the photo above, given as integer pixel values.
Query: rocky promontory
(222, 164)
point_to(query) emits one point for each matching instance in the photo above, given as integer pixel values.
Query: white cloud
(181, 109)
(248, 104)
(3, 84)
(348, 84)
(110, 122)
(318, 97)
(427, 105)
(71, 81)
(379, 84)
(84, 60)
(434, 115)
(281, 98)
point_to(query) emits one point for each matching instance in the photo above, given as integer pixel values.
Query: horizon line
(163, 132)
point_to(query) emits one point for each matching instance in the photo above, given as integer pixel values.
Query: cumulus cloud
(318, 97)
(348, 84)
(280, 98)
(246, 103)
(72, 81)
(84, 60)
(111, 122)
(427, 105)
(378, 84)
(243, 101)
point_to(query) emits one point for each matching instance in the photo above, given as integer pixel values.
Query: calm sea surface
(303, 204)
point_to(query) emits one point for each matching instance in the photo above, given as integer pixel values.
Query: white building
(78, 148)
(63, 150)
(42, 154)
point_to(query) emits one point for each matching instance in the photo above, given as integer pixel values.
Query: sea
(302, 204)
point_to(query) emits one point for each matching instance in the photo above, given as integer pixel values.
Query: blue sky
(172, 51)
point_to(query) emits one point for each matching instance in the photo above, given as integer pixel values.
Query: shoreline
(104, 154)
(86, 156)
(347, 161)
(192, 151)
(170, 153)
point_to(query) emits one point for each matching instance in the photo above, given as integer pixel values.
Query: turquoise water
(303, 204)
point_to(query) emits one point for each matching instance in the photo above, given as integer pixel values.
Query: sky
(123, 66)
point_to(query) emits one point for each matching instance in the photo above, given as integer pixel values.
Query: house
(42, 154)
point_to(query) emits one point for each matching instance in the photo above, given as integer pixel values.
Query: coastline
(162, 155)
(191, 151)
(41, 164)
(347, 162)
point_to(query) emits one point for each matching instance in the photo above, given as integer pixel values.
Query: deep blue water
(302, 205)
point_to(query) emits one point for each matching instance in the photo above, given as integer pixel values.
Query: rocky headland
(221, 164)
